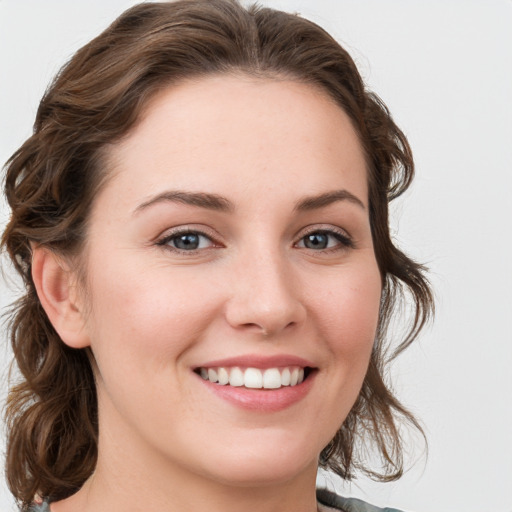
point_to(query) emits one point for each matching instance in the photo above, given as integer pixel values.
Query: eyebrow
(201, 199)
(326, 199)
(220, 203)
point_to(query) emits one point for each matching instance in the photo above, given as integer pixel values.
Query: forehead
(241, 131)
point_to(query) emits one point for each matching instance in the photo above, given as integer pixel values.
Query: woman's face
(232, 241)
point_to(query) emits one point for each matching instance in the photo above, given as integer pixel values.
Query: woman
(201, 222)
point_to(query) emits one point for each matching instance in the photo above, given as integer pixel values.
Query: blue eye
(316, 241)
(321, 240)
(187, 241)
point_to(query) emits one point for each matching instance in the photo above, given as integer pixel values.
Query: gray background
(445, 70)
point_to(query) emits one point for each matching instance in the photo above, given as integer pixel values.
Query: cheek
(141, 324)
(346, 309)
(348, 314)
(148, 316)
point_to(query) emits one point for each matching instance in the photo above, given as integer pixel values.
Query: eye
(324, 239)
(187, 241)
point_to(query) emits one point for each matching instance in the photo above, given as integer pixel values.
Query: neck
(133, 482)
(190, 494)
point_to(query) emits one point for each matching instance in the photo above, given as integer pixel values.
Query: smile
(255, 378)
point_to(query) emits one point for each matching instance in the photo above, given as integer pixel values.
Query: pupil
(316, 241)
(187, 241)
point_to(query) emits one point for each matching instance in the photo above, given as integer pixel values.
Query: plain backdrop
(444, 68)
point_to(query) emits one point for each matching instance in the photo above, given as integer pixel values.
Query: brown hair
(52, 179)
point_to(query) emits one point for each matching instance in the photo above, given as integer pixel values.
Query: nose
(264, 296)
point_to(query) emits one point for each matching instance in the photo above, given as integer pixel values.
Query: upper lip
(258, 361)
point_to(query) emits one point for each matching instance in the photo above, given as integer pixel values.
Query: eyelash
(344, 241)
(167, 239)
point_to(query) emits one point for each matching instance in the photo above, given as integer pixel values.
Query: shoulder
(328, 500)
(40, 507)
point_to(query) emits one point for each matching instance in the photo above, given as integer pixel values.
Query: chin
(268, 474)
(258, 466)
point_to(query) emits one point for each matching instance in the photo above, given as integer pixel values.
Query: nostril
(267, 331)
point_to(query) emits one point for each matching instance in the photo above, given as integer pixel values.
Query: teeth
(285, 377)
(254, 378)
(223, 376)
(212, 375)
(236, 377)
(272, 379)
(293, 378)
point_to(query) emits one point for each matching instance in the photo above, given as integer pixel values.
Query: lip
(258, 361)
(260, 400)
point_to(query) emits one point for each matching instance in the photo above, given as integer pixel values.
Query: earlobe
(56, 289)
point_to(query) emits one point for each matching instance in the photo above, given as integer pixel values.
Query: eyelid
(163, 239)
(345, 239)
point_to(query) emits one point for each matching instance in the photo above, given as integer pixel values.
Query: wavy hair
(52, 179)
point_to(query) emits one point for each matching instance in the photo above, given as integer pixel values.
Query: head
(100, 99)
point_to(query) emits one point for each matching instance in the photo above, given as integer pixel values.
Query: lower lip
(263, 400)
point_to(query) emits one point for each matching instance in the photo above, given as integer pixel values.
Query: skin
(153, 313)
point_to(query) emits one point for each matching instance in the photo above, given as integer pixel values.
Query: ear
(56, 289)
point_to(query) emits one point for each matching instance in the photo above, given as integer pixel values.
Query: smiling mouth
(255, 378)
